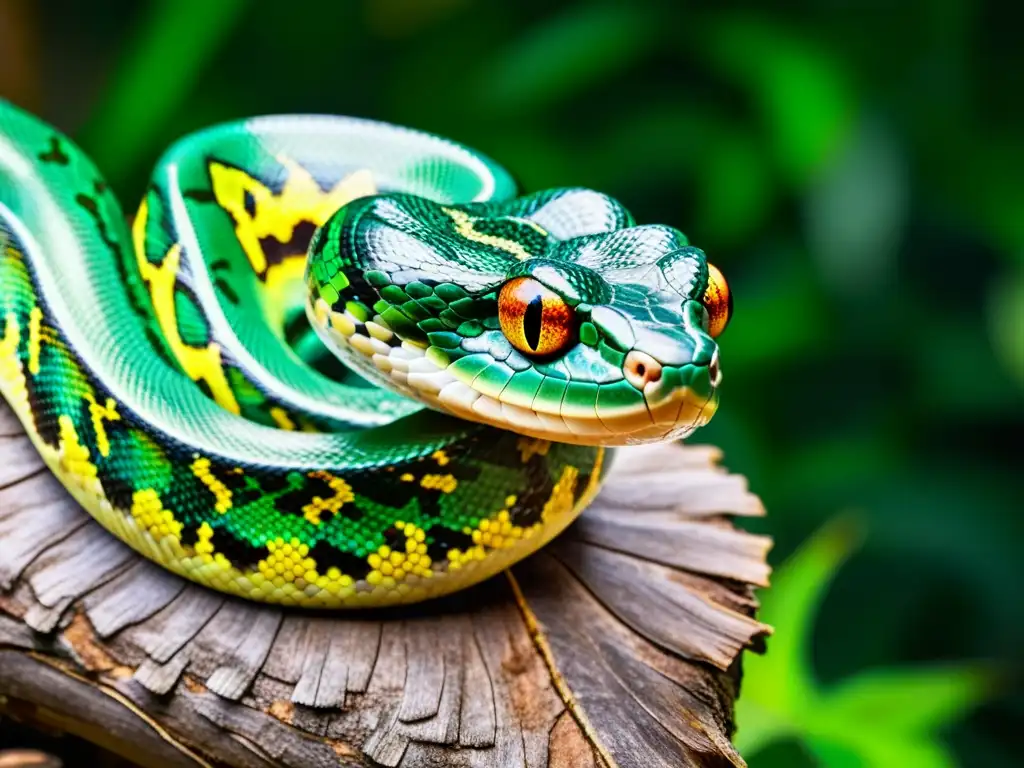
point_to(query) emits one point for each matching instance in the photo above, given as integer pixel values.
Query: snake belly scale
(172, 373)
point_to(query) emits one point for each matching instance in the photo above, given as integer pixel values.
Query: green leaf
(758, 727)
(909, 701)
(877, 719)
(869, 751)
(782, 680)
(173, 45)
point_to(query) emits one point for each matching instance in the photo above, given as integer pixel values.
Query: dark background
(855, 168)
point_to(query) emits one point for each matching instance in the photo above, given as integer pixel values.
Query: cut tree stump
(616, 645)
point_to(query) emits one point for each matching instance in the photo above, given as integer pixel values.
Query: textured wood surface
(617, 645)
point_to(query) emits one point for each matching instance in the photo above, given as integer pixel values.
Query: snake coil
(171, 376)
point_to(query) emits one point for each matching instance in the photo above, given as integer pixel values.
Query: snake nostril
(641, 369)
(714, 372)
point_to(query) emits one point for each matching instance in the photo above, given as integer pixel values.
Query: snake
(336, 363)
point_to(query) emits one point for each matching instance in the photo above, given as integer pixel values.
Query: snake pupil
(535, 319)
(532, 321)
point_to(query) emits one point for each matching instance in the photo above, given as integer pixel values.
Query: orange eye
(535, 319)
(717, 301)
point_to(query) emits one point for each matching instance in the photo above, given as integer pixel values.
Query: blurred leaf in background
(876, 718)
(854, 168)
(168, 52)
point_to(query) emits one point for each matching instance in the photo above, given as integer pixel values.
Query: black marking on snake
(46, 422)
(317, 486)
(395, 539)
(327, 556)
(199, 195)
(119, 491)
(249, 202)
(42, 392)
(204, 387)
(56, 153)
(395, 495)
(441, 539)
(243, 492)
(582, 483)
(277, 251)
(225, 288)
(190, 534)
(193, 326)
(92, 207)
(430, 503)
(242, 554)
(530, 502)
(219, 264)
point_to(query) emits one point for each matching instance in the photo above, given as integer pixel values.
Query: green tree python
(171, 374)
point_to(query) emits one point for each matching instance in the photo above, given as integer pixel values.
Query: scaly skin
(152, 373)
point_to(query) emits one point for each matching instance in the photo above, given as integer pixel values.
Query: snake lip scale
(335, 363)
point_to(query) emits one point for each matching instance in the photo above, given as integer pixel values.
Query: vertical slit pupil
(532, 321)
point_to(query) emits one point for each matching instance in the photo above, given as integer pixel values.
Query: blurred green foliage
(875, 718)
(856, 170)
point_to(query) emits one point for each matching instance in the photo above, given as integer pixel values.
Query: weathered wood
(22, 464)
(133, 596)
(88, 711)
(174, 626)
(36, 515)
(671, 539)
(239, 667)
(644, 596)
(617, 645)
(348, 661)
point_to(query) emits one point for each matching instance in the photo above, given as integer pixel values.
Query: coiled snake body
(168, 376)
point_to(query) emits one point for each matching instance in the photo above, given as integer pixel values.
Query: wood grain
(617, 645)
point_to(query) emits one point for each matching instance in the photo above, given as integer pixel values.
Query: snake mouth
(656, 419)
(675, 402)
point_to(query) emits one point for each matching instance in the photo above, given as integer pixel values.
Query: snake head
(551, 315)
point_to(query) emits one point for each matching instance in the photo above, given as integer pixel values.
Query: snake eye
(535, 319)
(717, 301)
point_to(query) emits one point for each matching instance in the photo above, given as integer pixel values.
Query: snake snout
(641, 369)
